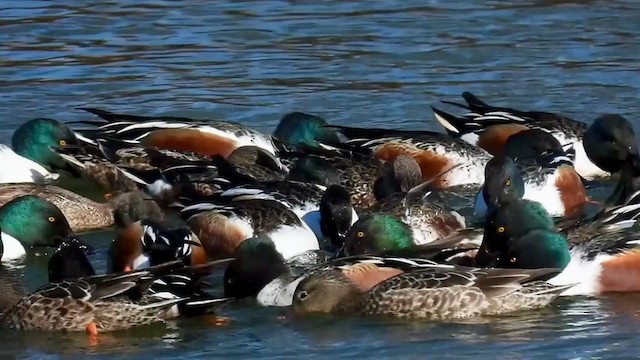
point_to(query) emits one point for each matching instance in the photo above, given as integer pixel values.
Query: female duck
(422, 290)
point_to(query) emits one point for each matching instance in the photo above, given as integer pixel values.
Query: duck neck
(628, 183)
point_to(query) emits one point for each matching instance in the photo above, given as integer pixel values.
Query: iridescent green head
(299, 128)
(521, 233)
(377, 234)
(34, 221)
(37, 138)
(315, 169)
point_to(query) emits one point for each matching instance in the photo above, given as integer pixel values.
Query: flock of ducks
(317, 217)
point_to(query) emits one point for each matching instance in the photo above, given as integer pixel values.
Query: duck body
(207, 138)
(445, 160)
(489, 127)
(222, 227)
(85, 305)
(425, 291)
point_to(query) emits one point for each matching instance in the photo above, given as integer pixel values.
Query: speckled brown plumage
(435, 292)
(73, 305)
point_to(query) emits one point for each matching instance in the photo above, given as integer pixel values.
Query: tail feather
(455, 126)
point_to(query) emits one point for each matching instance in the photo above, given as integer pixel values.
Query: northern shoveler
(211, 137)
(419, 289)
(223, 226)
(489, 127)
(547, 177)
(30, 221)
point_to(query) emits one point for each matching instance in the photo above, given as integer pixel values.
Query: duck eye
(52, 219)
(501, 229)
(360, 234)
(303, 295)
(508, 182)
(513, 260)
(62, 143)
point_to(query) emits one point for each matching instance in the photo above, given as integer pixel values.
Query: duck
(489, 127)
(223, 225)
(208, 138)
(422, 290)
(82, 213)
(33, 147)
(146, 236)
(70, 262)
(92, 304)
(534, 173)
(519, 234)
(435, 153)
(328, 211)
(259, 271)
(29, 222)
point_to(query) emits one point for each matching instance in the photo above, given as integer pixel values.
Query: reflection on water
(368, 63)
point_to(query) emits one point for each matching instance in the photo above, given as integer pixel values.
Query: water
(364, 63)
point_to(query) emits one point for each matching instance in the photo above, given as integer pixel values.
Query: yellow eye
(62, 143)
(508, 182)
(513, 260)
(360, 234)
(501, 229)
(52, 219)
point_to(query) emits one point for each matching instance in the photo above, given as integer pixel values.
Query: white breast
(584, 166)
(17, 169)
(582, 272)
(12, 248)
(294, 240)
(546, 194)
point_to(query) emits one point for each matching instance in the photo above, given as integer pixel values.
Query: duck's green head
(377, 234)
(610, 142)
(531, 143)
(255, 264)
(299, 128)
(507, 228)
(398, 176)
(316, 170)
(34, 222)
(37, 138)
(502, 182)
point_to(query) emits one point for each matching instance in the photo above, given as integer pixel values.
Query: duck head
(610, 143)
(70, 261)
(398, 176)
(34, 221)
(531, 143)
(39, 139)
(327, 291)
(298, 128)
(256, 263)
(502, 182)
(377, 234)
(336, 214)
(316, 170)
(521, 234)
